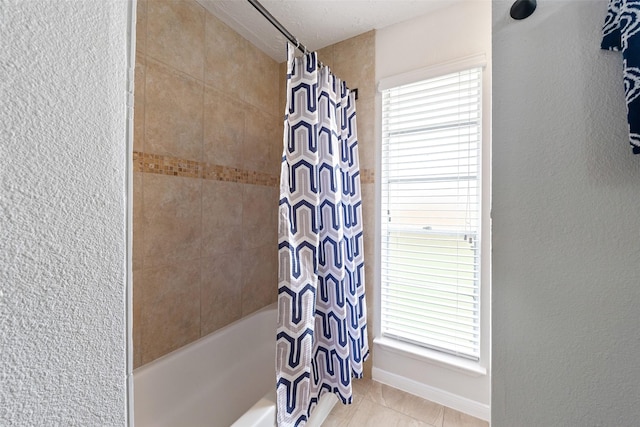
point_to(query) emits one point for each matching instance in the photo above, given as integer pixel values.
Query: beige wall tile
(173, 113)
(221, 291)
(138, 102)
(369, 215)
(282, 89)
(276, 153)
(221, 218)
(368, 193)
(175, 34)
(224, 127)
(369, 267)
(259, 216)
(172, 219)
(261, 148)
(277, 145)
(259, 278)
(205, 251)
(220, 314)
(225, 55)
(325, 55)
(368, 364)
(138, 221)
(171, 308)
(137, 318)
(222, 240)
(261, 84)
(354, 62)
(365, 117)
(141, 26)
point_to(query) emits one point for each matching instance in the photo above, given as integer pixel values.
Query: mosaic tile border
(367, 176)
(167, 165)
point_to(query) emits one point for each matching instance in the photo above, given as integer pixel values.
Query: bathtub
(226, 378)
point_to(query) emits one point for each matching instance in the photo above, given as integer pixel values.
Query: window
(430, 216)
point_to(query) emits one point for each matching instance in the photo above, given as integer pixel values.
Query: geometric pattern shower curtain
(322, 332)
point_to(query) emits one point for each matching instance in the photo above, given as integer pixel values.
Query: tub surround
(206, 163)
(207, 149)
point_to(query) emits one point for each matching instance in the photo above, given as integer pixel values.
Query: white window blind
(431, 140)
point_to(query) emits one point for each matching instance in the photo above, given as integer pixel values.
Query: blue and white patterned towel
(620, 33)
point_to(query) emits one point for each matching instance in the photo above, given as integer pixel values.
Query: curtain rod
(264, 12)
(260, 8)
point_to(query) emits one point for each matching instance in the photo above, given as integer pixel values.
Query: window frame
(450, 361)
(427, 187)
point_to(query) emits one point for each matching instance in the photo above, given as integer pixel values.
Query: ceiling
(315, 23)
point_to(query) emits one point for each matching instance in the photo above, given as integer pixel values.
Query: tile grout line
(441, 417)
(200, 169)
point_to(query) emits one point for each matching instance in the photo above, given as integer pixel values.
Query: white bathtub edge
(322, 411)
(141, 370)
(263, 413)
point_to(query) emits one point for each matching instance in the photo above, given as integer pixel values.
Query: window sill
(448, 361)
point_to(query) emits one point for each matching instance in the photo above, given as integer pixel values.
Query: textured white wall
(566, 228)
(63, 156)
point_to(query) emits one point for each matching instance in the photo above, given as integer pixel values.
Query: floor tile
(376, 415)
(342, 414)
(405, 403)
(376, 404)
(458, 419)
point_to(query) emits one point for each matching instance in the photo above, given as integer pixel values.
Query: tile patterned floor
(379, 405)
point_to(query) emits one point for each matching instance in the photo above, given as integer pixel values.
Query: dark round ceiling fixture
(522, 9)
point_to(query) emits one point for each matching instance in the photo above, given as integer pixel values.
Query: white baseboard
(453, 401)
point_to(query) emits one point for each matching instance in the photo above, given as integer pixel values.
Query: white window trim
(433, 71)
(449, 361)
(408, 99)
(407, 353)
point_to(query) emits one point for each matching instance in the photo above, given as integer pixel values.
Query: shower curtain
(322, 332)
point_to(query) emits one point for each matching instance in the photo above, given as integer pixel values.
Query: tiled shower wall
(207, 144)
(207, 147)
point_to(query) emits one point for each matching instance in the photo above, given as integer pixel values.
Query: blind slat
(431, 212)
(446, 328)
(443, 310)
(437, 295)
